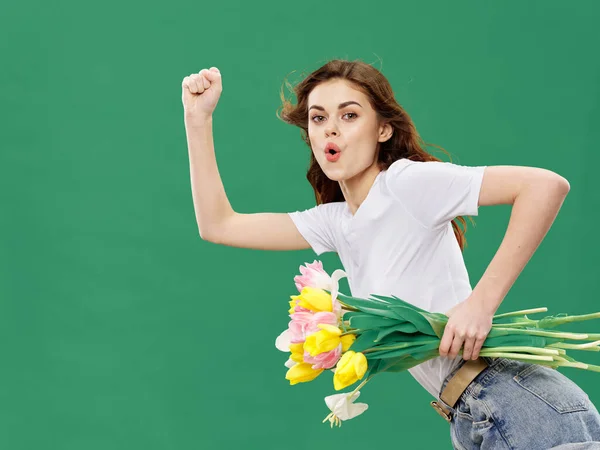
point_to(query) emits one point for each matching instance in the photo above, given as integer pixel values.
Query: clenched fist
(200, 94)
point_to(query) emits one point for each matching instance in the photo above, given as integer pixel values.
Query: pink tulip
(325, 360)
(305, 323)
(298, 309)
(313, 275)
(299, 324)
(328, 318)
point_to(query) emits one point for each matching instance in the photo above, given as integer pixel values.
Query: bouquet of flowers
(357, 338)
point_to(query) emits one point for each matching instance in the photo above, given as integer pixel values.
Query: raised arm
(216, 219)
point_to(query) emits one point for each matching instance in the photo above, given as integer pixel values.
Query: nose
(330, 131)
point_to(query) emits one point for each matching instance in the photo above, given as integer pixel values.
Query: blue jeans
(514, 405)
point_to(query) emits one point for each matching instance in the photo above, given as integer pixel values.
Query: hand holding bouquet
(357, 338)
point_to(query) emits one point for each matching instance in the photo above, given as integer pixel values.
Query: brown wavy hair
(404, 143)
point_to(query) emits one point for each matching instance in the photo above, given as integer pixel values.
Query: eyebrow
(341, 105)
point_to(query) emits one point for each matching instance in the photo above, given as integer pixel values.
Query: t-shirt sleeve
(315, 225)
(436, 192)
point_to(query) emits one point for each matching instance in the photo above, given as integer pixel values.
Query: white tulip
(342, 407)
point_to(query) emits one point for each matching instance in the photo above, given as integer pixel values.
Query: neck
(356, 189)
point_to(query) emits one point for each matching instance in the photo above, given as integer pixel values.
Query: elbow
(561, 185)
(206, 236)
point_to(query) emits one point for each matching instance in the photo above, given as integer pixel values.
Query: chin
(336, 175)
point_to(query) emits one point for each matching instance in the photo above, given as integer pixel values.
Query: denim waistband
(494, 365)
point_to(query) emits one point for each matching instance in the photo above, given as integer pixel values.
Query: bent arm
(216, 219)
(536, 195)
(211, 204)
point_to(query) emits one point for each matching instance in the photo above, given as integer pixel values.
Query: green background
(121, 329)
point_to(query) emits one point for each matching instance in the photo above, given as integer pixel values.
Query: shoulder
(408, 172)
(323, 211)
(429, 172)
(319, 225)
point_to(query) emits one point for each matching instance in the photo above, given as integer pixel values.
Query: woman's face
(354, 128)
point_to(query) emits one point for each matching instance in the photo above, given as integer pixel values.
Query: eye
(319, 121)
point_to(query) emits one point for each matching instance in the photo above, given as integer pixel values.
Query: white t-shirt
(400, 241)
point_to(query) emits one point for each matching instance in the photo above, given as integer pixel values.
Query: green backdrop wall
(121, 329)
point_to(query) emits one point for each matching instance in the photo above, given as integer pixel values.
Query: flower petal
(283, 341)
(352, 410)
(336, 276)
(330, 328)
(343, 406)
(290, 363)
(333, 401)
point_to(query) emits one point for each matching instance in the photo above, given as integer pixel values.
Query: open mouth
(332, 155)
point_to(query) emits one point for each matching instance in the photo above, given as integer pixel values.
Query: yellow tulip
(297, 352)
(301, 373)
(323, 341)
(351, 367)
(347, 341)
(312, 299)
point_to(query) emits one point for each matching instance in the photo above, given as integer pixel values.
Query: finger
(185, 83)
(446, 341)
(456, 345)
(477, 348)
(206, 82)
(191, 84)
(196, 79)
(202, 79)
(213, 76)
(468, 349)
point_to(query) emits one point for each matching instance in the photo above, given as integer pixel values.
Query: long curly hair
(404, 143)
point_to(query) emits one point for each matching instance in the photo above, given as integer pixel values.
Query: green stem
(552, 334)
(353, 331)
(360, 385)
(517, 348)
(515, 324)
(519, 313)
(568, 319)
(519, 356)
(593, 367)
(590, 346)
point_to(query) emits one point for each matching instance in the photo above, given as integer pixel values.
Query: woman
(391, 212)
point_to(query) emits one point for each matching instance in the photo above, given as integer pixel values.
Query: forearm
(211, 204)
(532, 215)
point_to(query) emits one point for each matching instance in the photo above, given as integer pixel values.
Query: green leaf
(348, 315)
(414, 317)
(367, 306)
(411, 350)
(364, 341)
(398, 337)
(517, 339)
(366, 321)
(405, 327)
(397, 301)
(361, 302)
